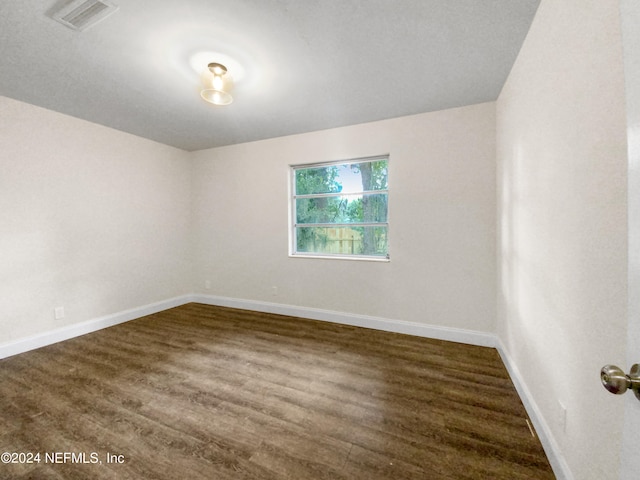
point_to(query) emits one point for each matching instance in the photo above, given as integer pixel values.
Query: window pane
(317, 180)
(343, 178)
(373, 175)
(368, 208)
(342, 240)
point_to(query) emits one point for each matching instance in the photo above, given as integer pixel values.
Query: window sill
(338, 257)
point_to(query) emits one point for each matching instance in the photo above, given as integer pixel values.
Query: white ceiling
(308, 64)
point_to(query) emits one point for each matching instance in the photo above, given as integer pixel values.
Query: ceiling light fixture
(217, 85)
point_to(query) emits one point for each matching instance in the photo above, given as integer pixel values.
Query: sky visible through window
(350, 179)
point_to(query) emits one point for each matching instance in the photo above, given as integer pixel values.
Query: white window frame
(292, 212)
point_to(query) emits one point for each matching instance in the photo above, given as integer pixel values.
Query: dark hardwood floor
(215, 393)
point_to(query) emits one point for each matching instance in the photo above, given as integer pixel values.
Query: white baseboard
(551, 447)
(471, 337)
(60, 334)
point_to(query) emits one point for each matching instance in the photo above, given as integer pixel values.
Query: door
(630, 15)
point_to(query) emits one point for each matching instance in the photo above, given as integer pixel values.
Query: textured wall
(441, 210)
(630, 11)
(91, 219)
(562, 248)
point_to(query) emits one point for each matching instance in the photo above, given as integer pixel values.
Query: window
(339, 209)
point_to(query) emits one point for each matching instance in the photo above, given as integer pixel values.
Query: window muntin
(339, 209)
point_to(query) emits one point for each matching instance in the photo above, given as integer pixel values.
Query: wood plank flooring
(216, 393)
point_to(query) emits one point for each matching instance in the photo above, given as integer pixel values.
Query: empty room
(319, 240)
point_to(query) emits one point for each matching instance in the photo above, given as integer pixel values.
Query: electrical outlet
(58, 313)
(563, 417)
(274, 291)
(207, 284)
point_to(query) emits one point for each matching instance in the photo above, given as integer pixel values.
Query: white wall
(92, 219)
(99, 221)
(630, 12)
(441, 207)
(562, 225)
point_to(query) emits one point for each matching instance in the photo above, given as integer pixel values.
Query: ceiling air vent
(82, 14)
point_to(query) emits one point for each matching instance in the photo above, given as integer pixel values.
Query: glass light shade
(217, 85)
(217, 97)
